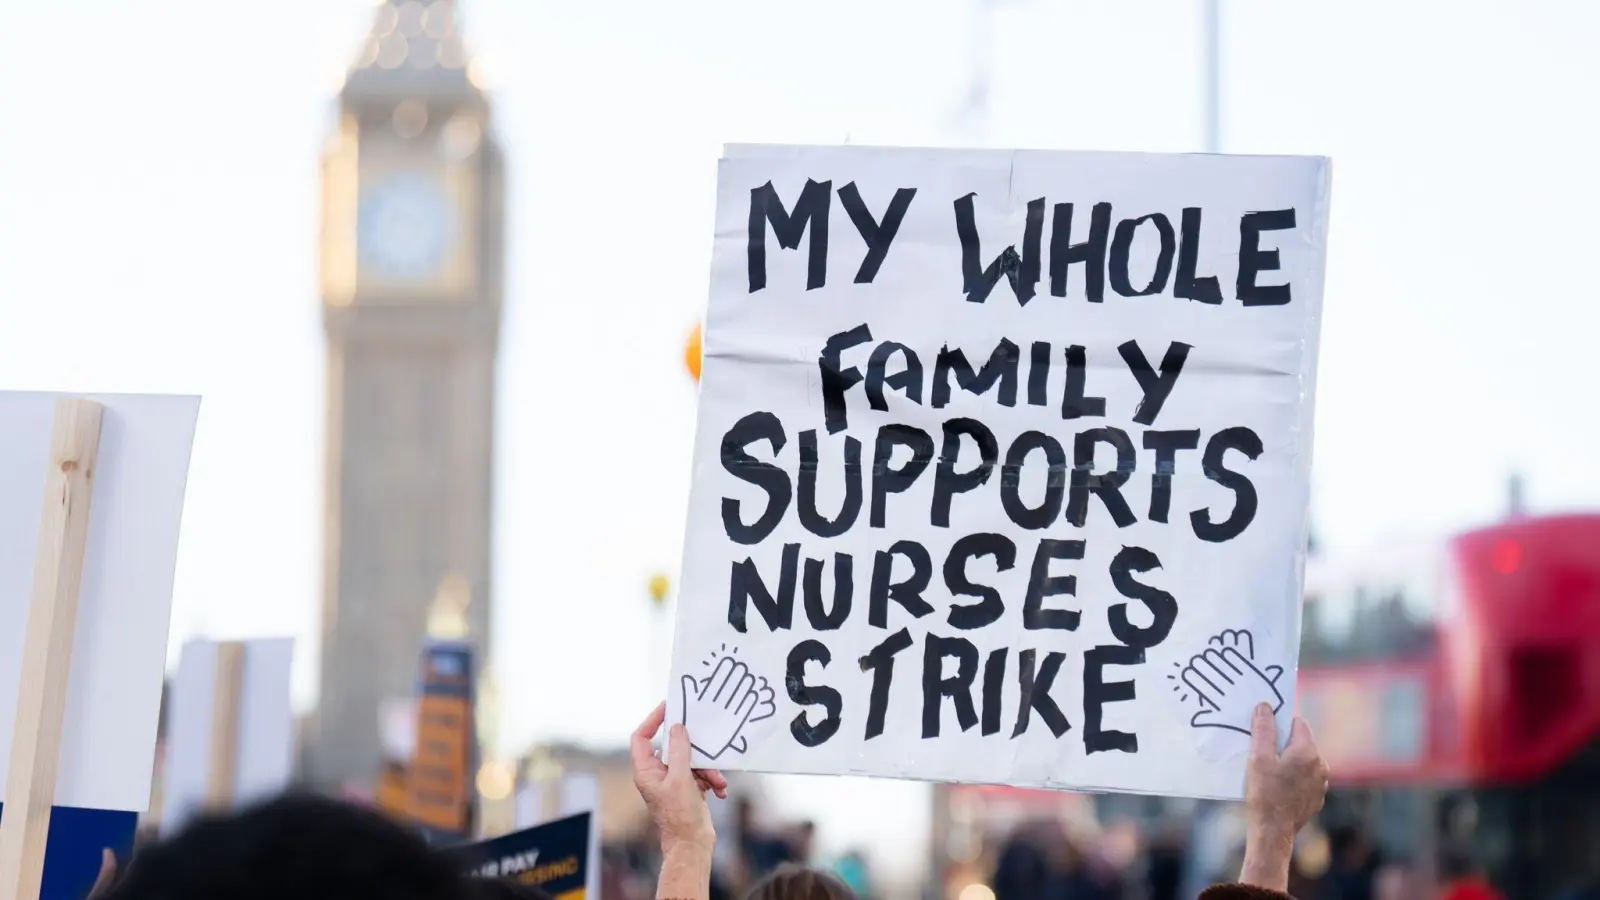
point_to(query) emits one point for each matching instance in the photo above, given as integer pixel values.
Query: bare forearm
(686, 871)
(1267, 856)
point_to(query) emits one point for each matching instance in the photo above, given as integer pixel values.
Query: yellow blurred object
(1313, 856)
(447, 615)
(977, 891)
(691, 354)
(660, 585)
(496, 780)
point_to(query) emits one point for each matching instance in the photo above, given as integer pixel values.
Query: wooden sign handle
(47, 648)
(222, 773)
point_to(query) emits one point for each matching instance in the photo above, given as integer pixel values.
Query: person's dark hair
(1345, 840)
(298, 845)
(507, 889)
(792, 882)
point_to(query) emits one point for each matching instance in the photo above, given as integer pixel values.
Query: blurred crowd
(311, 847)
(1044, 860)
(757, 846)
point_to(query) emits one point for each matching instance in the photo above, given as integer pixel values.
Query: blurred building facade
(412, 284)
(622, 813)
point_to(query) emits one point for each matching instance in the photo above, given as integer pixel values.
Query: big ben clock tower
(412, 237)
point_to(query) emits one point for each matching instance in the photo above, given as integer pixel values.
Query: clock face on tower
(405, 227)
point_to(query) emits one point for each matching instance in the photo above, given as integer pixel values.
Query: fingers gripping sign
(673, 792)
(717, 708)
(1283, 790)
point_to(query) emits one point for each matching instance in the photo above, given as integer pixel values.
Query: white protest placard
(528, 804)
(580, 793)
(256, 712)
(573, 794)
(1001, 465)
(118, 640)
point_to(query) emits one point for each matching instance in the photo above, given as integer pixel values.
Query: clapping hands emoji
(716, 709)
(1226, 680)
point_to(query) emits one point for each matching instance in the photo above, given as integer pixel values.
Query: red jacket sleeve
(1240, 892)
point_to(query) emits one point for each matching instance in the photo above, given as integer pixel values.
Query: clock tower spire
(412, 261)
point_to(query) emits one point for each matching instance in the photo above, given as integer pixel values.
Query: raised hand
(717, 708)
(675, 794)
(1282, 791)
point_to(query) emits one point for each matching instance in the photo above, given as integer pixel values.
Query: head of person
(792, 882)
(805, 837)
(1168, 837)
(1348, 847)
(1074, 853)
(1063, 849)
(1457, 864)
(1393, 882)
(744, 814)
(302, 846)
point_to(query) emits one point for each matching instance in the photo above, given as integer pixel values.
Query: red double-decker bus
(1454, 689)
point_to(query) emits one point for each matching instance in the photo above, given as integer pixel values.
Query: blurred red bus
(1455, 690)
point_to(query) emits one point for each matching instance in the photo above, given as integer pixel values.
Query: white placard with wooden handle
(85, 597)
(230, 727)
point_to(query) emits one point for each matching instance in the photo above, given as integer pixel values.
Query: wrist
(1268, 853)
(686, 857)
(689, 842)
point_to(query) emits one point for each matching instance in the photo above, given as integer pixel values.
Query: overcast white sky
(158, 203)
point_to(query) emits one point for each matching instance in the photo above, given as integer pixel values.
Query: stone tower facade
(412, 283)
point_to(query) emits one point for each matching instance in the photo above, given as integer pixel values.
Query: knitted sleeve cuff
(1241, 892)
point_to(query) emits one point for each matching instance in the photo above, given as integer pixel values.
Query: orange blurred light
(1506, 557)
(691, 354)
